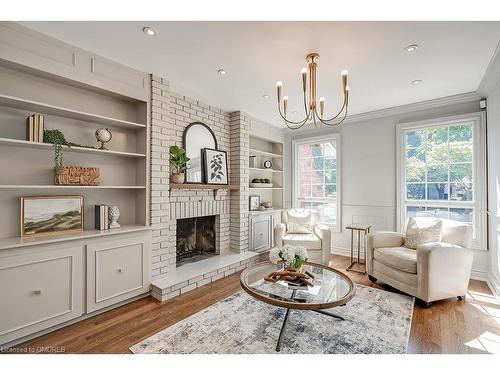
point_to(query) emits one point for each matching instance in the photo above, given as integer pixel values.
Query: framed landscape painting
(51, 215)
(215, 167)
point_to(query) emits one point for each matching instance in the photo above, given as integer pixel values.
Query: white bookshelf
(78, 111)
(48, 109)
(261, 150)
(50, 147)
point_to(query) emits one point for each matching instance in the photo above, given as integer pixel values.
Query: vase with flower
(288, 256)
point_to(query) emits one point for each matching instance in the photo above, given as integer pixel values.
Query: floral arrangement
(292, 256)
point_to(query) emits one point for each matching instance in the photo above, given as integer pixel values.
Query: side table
(365, 228)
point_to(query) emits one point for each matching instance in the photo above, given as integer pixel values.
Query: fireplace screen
(195, 239)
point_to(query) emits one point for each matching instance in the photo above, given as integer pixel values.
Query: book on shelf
(101, 217)
(34, 128)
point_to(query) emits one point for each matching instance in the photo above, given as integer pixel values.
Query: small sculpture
(113, 215)
(103, 135)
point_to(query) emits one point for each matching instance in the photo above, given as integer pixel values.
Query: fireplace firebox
(195, 240)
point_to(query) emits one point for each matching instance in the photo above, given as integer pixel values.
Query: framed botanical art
(215, 166)
(51, 215)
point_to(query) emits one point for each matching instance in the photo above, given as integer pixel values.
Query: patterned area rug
(376, 322)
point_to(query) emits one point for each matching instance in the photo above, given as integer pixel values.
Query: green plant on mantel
(56, 137)
(178, 159)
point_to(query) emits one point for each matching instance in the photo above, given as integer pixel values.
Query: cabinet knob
(37, 292)
(121, 270)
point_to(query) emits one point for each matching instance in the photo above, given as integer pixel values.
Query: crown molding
(491, 77)
(406, 108)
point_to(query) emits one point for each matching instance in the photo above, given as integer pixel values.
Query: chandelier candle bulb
(321, 106)
(285, 104)
(344, 79)
(279, 86)
(304, 79)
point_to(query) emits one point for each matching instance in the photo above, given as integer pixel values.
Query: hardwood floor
(450, 326)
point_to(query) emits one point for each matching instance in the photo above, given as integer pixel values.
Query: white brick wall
(239, 175)
(171, 113)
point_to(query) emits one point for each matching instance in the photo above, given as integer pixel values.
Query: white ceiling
(452, 58)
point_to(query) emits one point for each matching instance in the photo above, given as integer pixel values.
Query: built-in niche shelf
(49, 146)
(262, 149)
(70, 187)
(15, 242)
(265, 170)
(266, 188)
(255, 152)
(203, 187)
(48, 109)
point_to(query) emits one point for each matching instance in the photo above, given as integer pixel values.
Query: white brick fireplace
(171, 113)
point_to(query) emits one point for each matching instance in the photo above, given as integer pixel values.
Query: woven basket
(74, 175)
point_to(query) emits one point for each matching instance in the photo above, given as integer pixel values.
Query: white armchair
(434, 271)
(300, 227)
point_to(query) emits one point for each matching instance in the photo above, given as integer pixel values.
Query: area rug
(377, 322)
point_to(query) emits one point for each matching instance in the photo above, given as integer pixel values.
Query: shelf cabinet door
(261, 232)
(39, 290)
(116, 271)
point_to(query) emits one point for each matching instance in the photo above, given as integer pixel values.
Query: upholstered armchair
(300, 227)
(434, 271)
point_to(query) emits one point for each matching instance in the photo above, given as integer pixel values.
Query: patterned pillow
(419, 233)
(299, 223)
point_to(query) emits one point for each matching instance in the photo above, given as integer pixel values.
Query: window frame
(295, 185)
(478, 166)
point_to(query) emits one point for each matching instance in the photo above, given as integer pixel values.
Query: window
(317, 177)
(441, 171)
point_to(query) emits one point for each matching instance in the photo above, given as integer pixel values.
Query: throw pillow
(419, 233)
(299, 223)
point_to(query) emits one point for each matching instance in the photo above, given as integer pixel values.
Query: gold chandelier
(311, 108)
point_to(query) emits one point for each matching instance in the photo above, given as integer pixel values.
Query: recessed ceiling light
(416, 82)
(411, 48)
(149, 31)
(265, 96)
(221, 72)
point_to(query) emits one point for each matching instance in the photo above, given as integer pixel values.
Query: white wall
(369, 171)
(493, 118)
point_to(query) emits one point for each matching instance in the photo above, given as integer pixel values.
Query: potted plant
(178, 161)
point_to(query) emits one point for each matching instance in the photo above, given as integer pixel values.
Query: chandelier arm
(296, 127)
(291, 122)
(306, 110)
(337, 123)
(344, 106)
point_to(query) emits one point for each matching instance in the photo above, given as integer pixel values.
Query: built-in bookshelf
(78, 111)
(262, 150)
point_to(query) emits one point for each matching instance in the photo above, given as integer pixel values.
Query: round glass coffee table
(331, 288)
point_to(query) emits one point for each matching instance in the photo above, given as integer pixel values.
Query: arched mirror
(196, 137)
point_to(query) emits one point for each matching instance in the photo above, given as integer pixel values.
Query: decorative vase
(113, 215)
(177, 178)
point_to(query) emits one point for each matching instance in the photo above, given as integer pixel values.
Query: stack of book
(34, 128)
(101, 217)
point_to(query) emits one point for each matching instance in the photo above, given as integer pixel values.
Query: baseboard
(344, 251)
(479, 275)
(494, 284)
